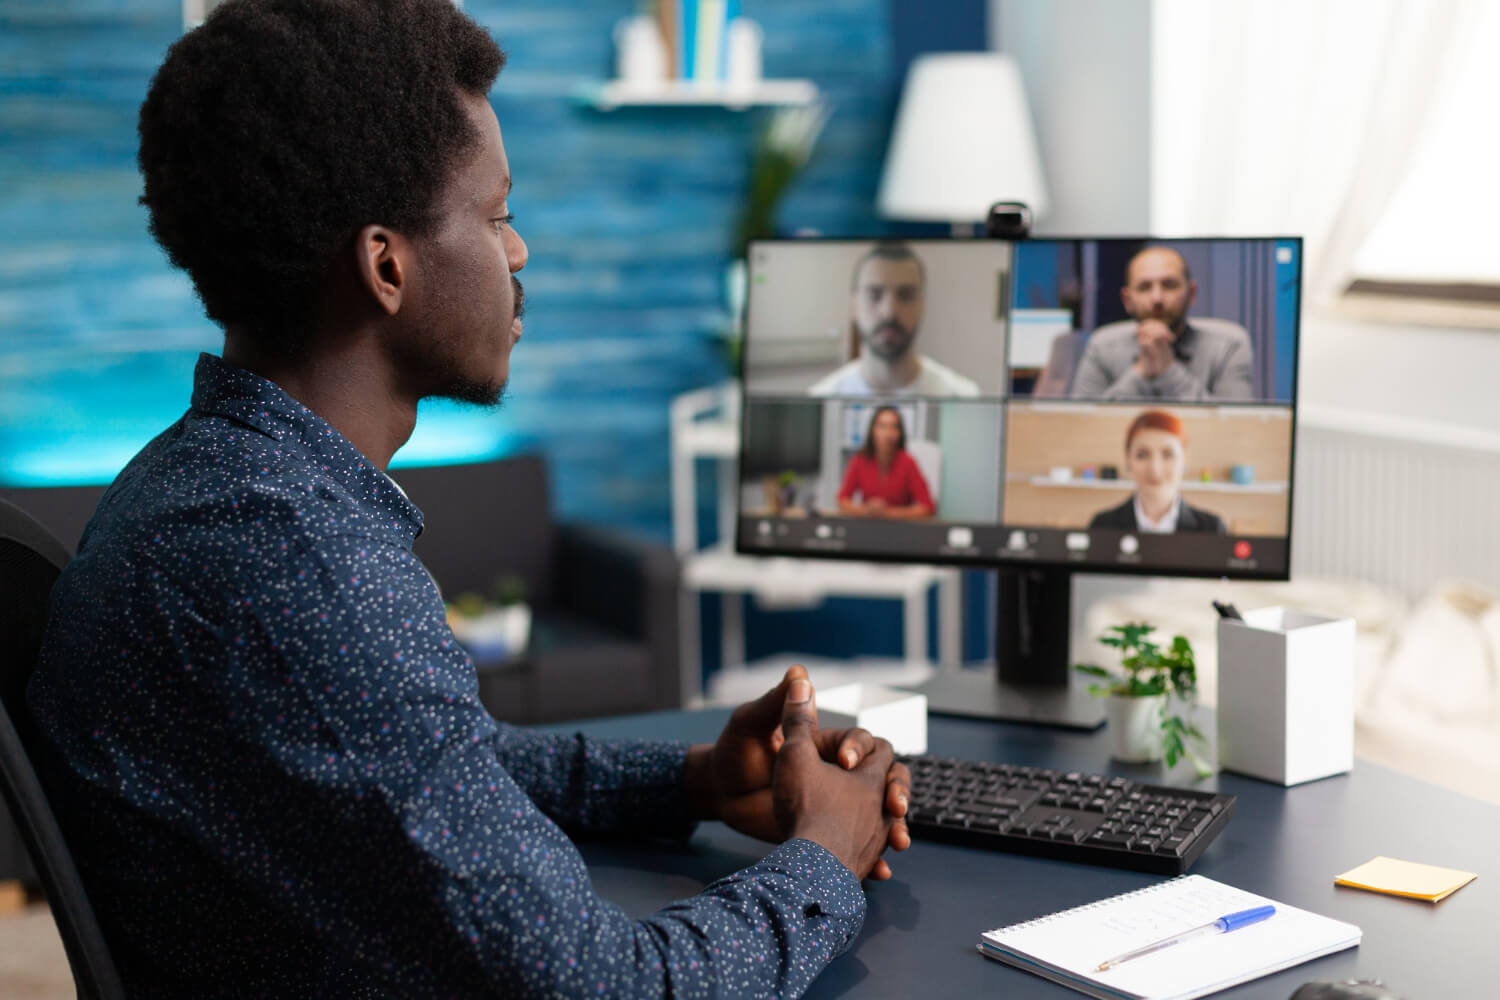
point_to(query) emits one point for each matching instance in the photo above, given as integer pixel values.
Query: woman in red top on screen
(883, 476)
(1156, 457)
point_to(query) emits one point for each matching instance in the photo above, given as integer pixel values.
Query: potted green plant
(786, 485)
(496, 629)
(780, 154)
(1140, 693)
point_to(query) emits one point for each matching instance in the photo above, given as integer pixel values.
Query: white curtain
(1292, 116)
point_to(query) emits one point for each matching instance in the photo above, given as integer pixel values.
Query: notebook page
(1076, 941)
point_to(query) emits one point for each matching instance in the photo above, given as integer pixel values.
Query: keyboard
(1092, 818)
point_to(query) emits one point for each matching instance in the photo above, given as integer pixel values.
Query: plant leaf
(1172, 745)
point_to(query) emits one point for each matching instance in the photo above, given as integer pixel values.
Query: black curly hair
(279, 128)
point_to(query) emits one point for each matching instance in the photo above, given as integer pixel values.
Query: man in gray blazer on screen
(1158, 353)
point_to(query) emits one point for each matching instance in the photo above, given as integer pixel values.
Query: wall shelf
(612, 94)
(1188, 485)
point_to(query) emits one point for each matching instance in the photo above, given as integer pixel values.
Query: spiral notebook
(1067, 947)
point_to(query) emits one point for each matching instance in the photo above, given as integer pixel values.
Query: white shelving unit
(612, 94)
(705, 424)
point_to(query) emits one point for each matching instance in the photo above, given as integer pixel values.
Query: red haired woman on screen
(1156, 457)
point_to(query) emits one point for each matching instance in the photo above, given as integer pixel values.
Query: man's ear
(1192, 292)
(383, 260)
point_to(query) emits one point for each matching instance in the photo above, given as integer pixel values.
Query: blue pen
(1231, 922)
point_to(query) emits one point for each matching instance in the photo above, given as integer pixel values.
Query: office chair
(30, 561)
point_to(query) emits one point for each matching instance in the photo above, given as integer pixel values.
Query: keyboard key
(1172, 845)
(1003, 801)
(1110, 839)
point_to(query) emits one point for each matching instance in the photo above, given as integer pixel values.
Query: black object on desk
(1090, 818)
(1228, 611)
(1032, 682)
(1349, 989)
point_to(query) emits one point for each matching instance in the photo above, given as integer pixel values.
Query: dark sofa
(604, 634)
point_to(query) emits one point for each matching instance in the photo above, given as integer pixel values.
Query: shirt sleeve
(1177, 383)
(917, 484)
(597, 786)
(467, 813)
(1234, 379)
(1093, 380)
(851, 478)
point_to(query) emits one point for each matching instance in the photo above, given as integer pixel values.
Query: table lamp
(962, 141)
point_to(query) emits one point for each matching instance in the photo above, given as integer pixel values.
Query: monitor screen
(1114, 405)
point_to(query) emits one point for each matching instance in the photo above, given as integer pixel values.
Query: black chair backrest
(485, 519)
(30, 561)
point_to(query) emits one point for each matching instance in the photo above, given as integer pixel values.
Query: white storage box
(898, 716)
(1286, 695)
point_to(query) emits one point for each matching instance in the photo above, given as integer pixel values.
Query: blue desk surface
(1288, 844)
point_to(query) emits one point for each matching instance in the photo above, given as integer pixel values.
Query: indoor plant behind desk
(1143, 728)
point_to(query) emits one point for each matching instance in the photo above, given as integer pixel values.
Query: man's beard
(465, 390)
(462, 389)
(1176, 323)
(893, 349)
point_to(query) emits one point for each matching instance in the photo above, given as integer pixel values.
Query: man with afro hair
(267, 749)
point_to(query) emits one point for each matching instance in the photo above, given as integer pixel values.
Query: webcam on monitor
(1008, 220)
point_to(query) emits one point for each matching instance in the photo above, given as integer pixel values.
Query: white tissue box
(1286, 695)
(898, 716)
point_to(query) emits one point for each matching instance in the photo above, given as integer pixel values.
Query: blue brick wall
(627, 214)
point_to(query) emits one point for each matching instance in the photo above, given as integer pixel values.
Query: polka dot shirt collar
(221, 389)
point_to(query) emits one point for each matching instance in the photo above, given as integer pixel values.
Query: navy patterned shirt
(274, 770)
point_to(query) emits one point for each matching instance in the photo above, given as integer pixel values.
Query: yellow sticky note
(1405, 878)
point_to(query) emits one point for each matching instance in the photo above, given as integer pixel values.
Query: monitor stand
(1033, 679)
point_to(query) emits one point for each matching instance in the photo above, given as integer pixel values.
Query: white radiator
(1395, 502)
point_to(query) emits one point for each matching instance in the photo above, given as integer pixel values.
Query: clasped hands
(773, 774)
(1154, 342)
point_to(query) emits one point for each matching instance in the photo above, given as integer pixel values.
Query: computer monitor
(1042, 407)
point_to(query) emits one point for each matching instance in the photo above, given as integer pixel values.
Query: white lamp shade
(963, 140)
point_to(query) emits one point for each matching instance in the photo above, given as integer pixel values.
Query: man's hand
(843, 810)
(1154, 340)
(731, 780)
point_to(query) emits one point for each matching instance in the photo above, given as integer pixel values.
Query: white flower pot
(1135, 728)
(499, 633)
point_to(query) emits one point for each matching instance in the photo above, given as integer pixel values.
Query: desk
(1288, 844)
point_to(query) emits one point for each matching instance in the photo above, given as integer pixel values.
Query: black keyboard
(1072, 816)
